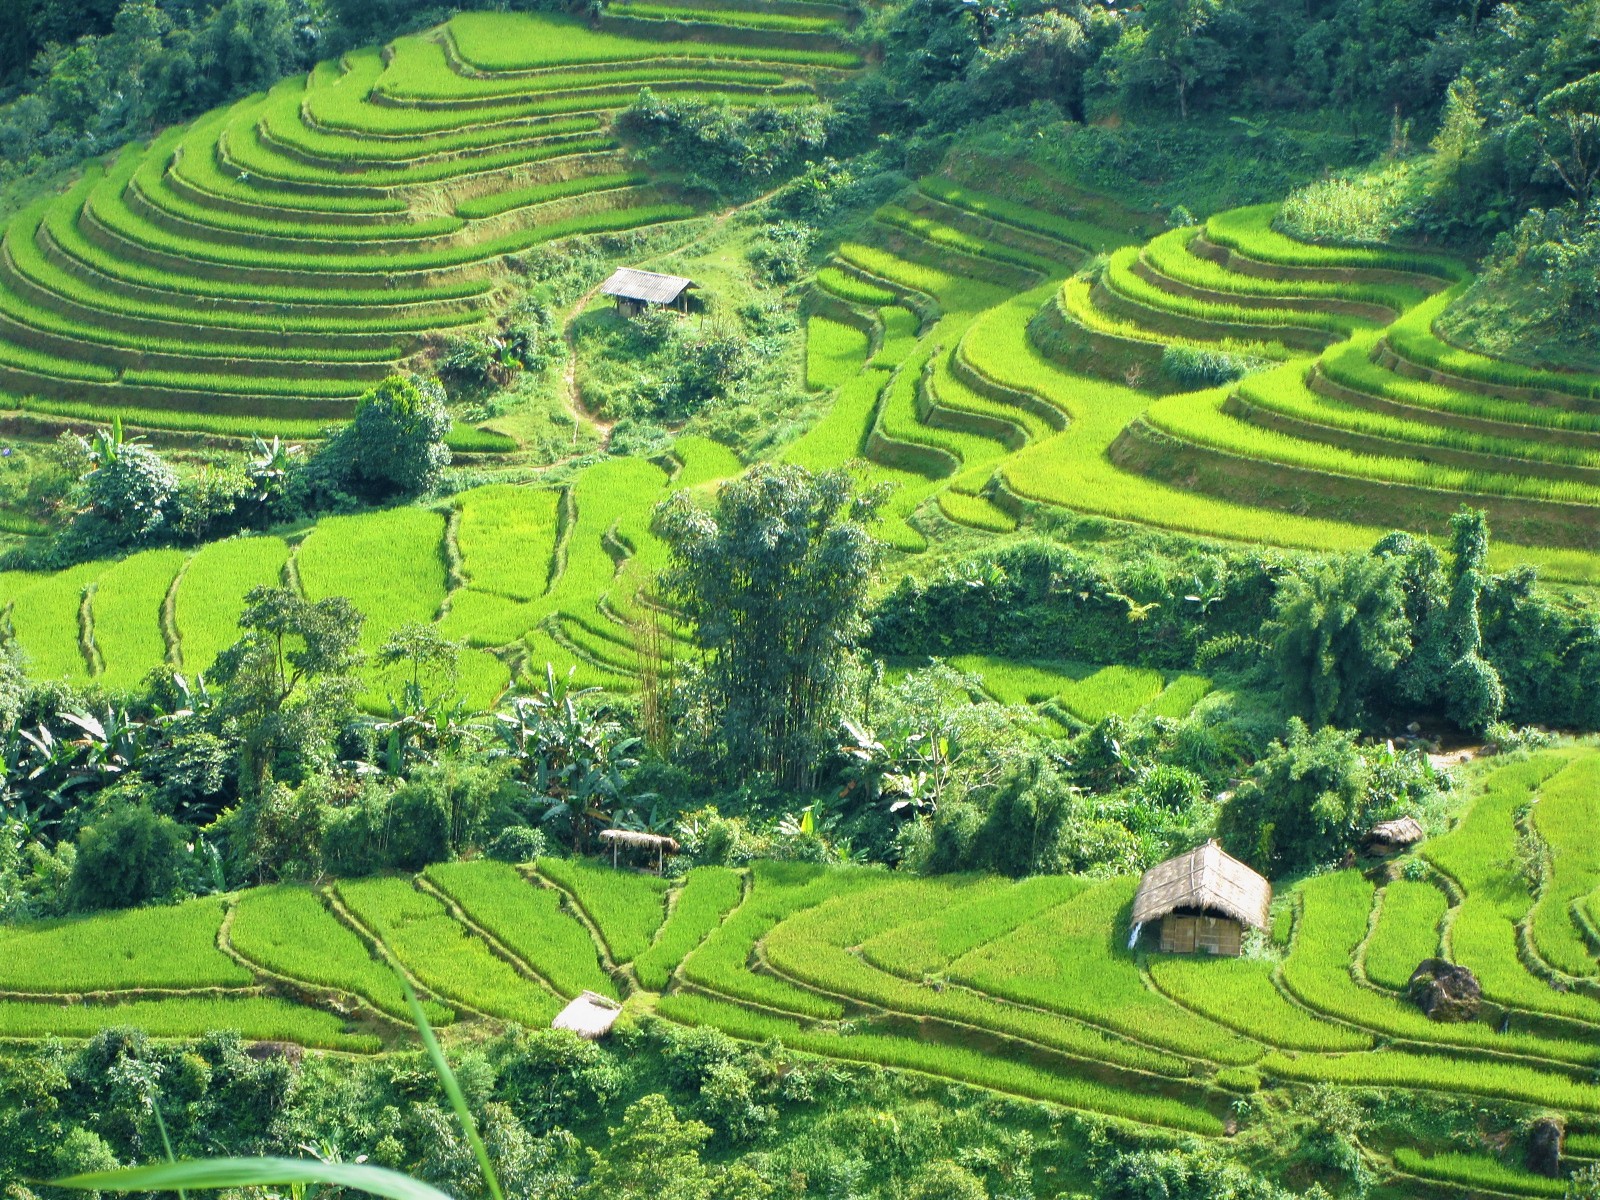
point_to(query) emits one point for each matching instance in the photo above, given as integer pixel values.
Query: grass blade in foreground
(254, 1172)
(280, 1172)
(452, 1089)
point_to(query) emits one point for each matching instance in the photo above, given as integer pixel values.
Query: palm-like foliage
(567, 755)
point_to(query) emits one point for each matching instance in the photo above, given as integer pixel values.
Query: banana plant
(567, 756)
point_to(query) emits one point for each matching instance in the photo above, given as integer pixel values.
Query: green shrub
(1200, 367)
(129, 856)
(517, 844)
(395, 446)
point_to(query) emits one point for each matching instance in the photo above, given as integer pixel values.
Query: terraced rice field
(1029, 988)
(1079, 390)
(257, 269)
(566, 597)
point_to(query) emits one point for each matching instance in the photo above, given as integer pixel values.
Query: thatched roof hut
(590, 1016)
(635, 290)
(660, 843)
(1203, 899)
(1391, 837)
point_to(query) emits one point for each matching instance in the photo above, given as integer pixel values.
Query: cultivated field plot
(1221, 379)
(255, 271)
(1029, 988)
(549, 580)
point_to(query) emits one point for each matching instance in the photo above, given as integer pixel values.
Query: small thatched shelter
(635, 291)
(1203, 899)
(1391, 837)
(660, 843)
(590, 1016)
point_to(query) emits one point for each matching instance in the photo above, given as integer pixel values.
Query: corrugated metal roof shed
(646, 286)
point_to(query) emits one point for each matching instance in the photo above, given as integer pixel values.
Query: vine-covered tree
(288, 681)
(774, 578)
(1337, 633)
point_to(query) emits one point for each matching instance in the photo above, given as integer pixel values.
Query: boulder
(1544, 1147)
(265, 1051)
(1445, 991)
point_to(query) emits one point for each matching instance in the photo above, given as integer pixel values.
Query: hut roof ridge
(1205, 878)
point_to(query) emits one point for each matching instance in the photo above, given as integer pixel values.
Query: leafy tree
(1474, 697)
(127, 857)
(1173, 47)
(1306, 802)
(652, 1155)
(125, 498)
(394, 448)
(1337, 633)
(289, 681)
(946, 1180)
(774, 577)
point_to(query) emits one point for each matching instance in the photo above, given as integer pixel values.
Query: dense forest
(1079, 433)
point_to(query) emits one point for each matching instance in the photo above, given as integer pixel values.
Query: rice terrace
(756, 599)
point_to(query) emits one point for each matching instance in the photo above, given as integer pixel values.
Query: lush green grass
(852, 288)
(161, 947)
(506, 536)
(941, 234)
(928, 945)
(975, 511)
(1121, 278)
(1477, 1171)
(528, 920)
(1287, 393)
(184, 419)
(1565, 818)
(627, 908)
(1084, 234)
(1406, 933)
(389, 564)
(1072, 960)
(1440, 1073)
(838, 436)
(1250, 231)
(126, 609)
(1413, 338)
(815, 947)
(733, 18)
(211, 596)
(501, 202)
(419, 70)
(1239, 993)
(720, 963)
(1333, 921)
(1199, 418)
(1088, 693)
(1170, 255)
(45, 617)
(946, 1062)
(288, 930)
(1351, 364)
(440, 952)
(258, 1018)
(522, 41)
(707, 895)
(1479, 854)
(834, 353)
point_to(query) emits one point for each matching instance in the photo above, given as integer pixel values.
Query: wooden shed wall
(1191, 934)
